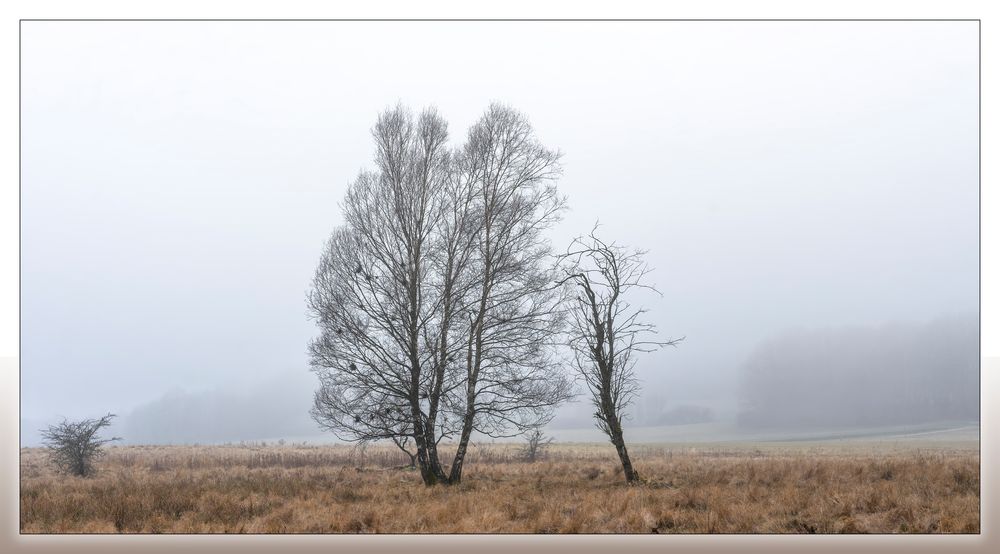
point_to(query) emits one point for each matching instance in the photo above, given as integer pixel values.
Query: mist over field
(809, 380)
(891, 375)
(811, 213)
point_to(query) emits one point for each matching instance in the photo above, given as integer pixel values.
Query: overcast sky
(179, 180)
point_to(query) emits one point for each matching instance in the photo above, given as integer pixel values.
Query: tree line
(865, 376)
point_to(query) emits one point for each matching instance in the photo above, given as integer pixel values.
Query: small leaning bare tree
(73, 446)
(607, 332)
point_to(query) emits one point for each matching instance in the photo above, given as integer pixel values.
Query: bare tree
(607, 332)
(73, 446)
(371, 294)
(536, 443)
(511, 379)
(434, 300)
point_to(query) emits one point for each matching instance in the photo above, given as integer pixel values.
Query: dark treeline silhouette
(891, 375)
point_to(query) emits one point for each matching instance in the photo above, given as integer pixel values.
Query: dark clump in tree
(607, 331)
(73, 446)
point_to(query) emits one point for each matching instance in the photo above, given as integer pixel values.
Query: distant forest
(890, 375)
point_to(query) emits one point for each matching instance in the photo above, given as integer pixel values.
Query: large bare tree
(607, 331)
(435, 300)
(511, 379)
(372, 297)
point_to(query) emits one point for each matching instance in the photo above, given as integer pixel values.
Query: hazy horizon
(179, 180)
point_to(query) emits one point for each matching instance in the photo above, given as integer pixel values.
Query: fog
(890, 375)
(808, 193)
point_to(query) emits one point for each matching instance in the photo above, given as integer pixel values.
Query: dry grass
(578, 489)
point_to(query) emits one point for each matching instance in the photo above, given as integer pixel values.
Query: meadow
(843, 487)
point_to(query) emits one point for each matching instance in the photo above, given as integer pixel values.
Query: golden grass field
(775, 488)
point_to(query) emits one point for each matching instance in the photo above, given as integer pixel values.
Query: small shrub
(73, 446)
(535, 446)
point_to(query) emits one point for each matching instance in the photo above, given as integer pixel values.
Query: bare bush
(535, 446)
(73, 446)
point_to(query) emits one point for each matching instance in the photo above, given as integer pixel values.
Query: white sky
(179, 180)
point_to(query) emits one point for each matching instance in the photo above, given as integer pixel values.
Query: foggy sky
(179, 180)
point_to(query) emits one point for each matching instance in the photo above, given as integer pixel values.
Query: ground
(859, 486)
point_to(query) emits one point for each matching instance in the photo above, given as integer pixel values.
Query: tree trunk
(473, 362)
(426, 473)
(617, 439)
(430, 466)
(463, 444)
(434, 461)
